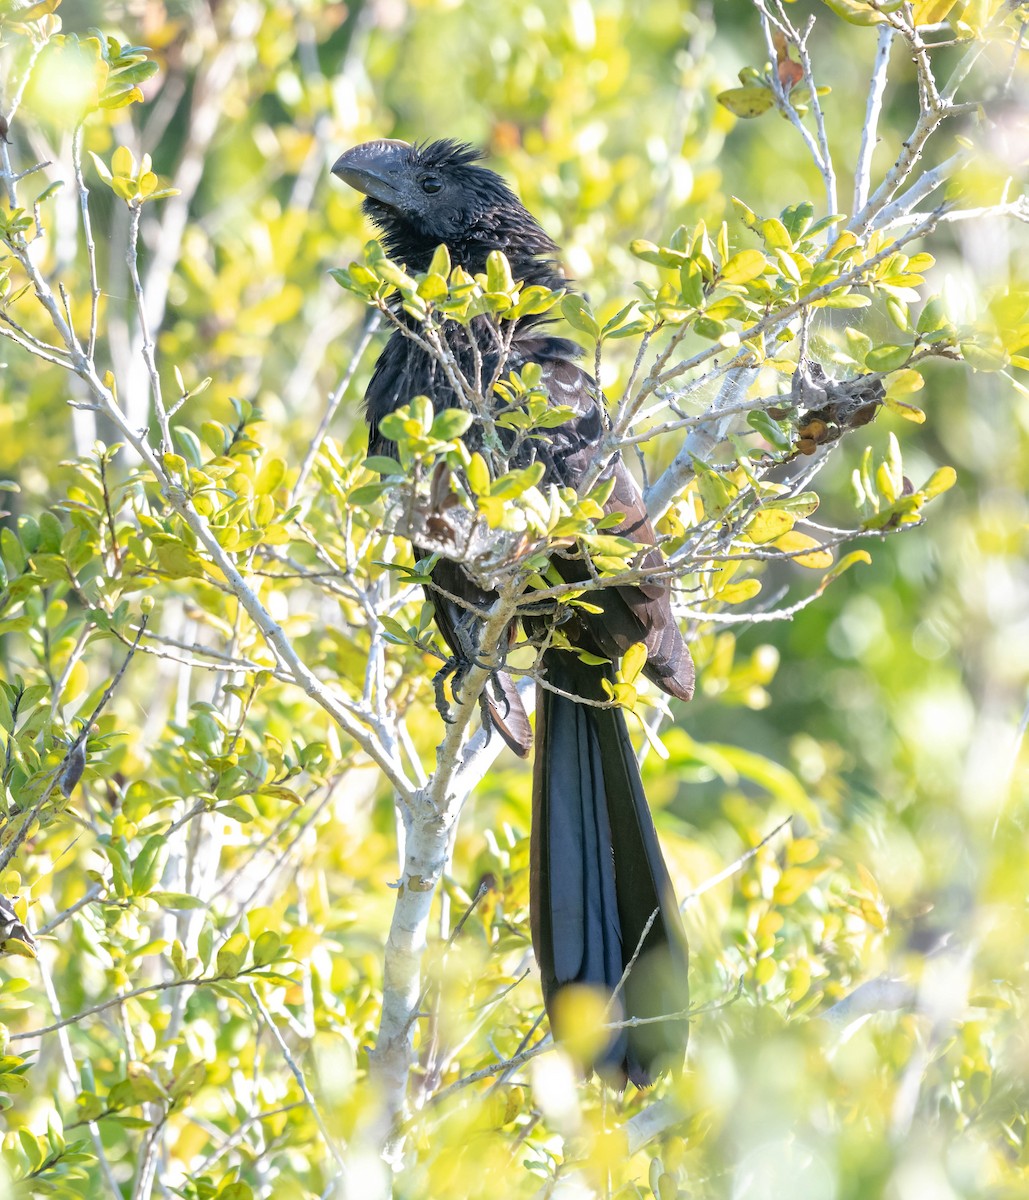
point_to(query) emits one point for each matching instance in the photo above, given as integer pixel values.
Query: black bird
(598, 882)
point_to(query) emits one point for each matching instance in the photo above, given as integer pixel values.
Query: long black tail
(598, 877)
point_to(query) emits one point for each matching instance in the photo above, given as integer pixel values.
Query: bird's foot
(456, 671)
(439, 684)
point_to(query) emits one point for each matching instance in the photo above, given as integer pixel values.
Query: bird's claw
(456, 671)
(439, 682)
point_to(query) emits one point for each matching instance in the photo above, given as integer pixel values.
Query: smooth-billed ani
(597, 876)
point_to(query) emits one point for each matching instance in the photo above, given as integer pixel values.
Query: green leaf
(845, 300)
(232, 955)
(797, 217)
(659, 256)
(748, 102)
(984, 357)
(33, 1148)
(368, 493)
(515, 483)
(932, 317)
(498, 273)
(775, 234)
(121, 872)
(266, 947)
(478, 475)
(187, 1082)
(451, 423)
(143, 1088)
(394, 632)
(713, 330)
(534, 300)
(691, 285)
(788, 265)
(101, 169)
(716, 491)
(236, 1191)
(382, 464)
(743, 267)
(146, 870)
(579, 315)
(270, 476)
(769, 428)
(887, 358)
(440, 263)
(432, 288)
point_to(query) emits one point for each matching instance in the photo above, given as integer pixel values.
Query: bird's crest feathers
(446, 152)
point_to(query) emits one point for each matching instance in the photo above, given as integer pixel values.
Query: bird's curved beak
(374, 168)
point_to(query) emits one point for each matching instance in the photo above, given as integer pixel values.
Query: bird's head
(420, 196)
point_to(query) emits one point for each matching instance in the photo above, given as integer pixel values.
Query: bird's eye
(431, 184)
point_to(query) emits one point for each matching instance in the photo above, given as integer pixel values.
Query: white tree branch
(873, 108)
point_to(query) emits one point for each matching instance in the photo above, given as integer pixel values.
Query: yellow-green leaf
(743, 267)
(804, 549)
(122, 162)
(940, 481)
(980, 357)
(904, 383)
(633, 661)
(440, 264)
(845, 563)
(233, 954)
(737, 593)
(794, 882)
(749, 101)
(931, 12)
(860, 12)
(766, 525)
(478, 475)
(909, 412)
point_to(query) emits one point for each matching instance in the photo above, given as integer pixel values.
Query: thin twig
(817, 147)
(92, 894)
(147, 347)
(240, 1132)
(370, 326)
(13, 332)
(734, 867)
(516, 1060)
(114, 1002)
(298, 1075)
(87, 230)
